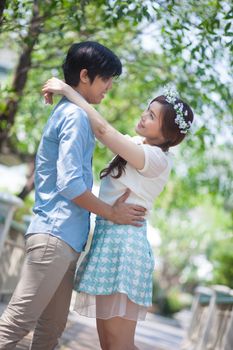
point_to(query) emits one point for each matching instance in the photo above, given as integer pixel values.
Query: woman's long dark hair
(170, 131)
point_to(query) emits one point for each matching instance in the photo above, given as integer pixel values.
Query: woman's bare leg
(100, 329)
(117, 334)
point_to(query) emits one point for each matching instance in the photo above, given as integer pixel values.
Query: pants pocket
(36, 247)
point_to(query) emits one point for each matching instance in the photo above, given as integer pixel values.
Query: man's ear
(84, 78)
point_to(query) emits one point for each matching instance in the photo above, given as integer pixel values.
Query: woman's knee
(111, 340)
(115, 340)
(118, 334)
(101, 334)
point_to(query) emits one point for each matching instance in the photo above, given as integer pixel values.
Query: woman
(114, 282)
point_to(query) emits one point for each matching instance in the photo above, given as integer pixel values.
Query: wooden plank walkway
(156, 333)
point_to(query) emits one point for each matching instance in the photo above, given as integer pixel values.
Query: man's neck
(81, 92)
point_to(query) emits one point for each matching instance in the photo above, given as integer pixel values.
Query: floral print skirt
(115, 276)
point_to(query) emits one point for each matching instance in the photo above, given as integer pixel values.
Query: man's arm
(104, 132)
(70, 183)
(119, 213)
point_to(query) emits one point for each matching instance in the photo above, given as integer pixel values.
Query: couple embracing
(114, 281)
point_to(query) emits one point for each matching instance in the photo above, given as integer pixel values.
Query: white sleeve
(156, 161)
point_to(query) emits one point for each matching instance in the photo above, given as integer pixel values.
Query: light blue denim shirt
(63, 172)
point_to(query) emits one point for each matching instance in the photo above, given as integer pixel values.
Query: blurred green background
(158, 42)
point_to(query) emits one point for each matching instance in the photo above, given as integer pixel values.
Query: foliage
(169, 302)
(22, 213)
(222, 258)
(187, 240)
(189, 63)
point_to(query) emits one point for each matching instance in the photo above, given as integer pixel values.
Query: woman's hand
(55, 86)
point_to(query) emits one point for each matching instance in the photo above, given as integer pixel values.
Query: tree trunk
(29, 186)
(2, 7)
(7, 117)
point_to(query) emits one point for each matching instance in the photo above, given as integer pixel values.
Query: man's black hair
(90, 55)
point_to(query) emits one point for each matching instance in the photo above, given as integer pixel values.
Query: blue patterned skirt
(119, 263)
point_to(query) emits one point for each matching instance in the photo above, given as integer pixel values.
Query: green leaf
(227, 27)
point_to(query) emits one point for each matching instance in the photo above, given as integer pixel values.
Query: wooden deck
(156, 333)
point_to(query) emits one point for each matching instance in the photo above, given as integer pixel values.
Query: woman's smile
(140, 124)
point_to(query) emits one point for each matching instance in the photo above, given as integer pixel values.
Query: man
(63, 182)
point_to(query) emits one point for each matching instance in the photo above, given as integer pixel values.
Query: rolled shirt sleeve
(73, 136)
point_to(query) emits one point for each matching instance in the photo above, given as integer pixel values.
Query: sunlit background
(158, 42)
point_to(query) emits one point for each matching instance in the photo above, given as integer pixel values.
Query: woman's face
(150, 124)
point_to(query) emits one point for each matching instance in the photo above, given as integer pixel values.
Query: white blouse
(145, 184)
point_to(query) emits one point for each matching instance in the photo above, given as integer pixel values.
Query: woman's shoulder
(156, 150)
(136, 139)
(157, 162)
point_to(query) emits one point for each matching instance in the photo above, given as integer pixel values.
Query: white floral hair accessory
(171, 96)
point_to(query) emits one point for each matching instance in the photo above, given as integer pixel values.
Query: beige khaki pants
(42, 297)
